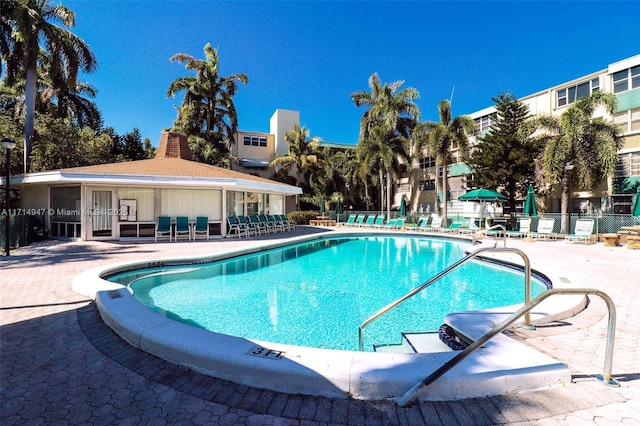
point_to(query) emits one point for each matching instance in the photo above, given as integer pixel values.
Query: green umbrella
(482, 195)
(403, 206)
(636, 207)
(322, 206)
(339, 209)
(530, 208)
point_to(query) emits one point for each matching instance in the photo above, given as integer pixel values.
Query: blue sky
(310, 56)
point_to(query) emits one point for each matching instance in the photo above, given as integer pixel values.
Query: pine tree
(505, 158)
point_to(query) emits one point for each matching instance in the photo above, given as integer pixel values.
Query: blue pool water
(318, 293)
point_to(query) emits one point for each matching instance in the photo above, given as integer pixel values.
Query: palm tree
(207, 107)
(303, 153)
(30, 22)
(442, 138)
(589, 143)
(391, 115)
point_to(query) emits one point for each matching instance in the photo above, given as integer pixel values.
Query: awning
(459, 169)
(251, 163)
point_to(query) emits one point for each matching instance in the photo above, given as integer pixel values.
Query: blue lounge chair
(202, 227)
(351, 220)
(182, 228)
(370, 220)
(276, 224)
(257, 225)
(379, 222)
(163, 227)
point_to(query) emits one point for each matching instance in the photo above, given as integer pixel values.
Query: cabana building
(124, 200)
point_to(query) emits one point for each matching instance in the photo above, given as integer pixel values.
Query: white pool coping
(503, 366)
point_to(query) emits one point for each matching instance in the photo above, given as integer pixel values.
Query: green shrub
(302, 218)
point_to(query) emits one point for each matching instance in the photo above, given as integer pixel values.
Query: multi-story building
(613, 195)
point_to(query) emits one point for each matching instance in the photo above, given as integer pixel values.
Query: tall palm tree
(390, 116)
(207, 107)
(442, 138)
(303, 153)
(590, 143)
(32, 21)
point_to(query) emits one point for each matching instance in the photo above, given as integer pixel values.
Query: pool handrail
(468, 257)
(605, 378)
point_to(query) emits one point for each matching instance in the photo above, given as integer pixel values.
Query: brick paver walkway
(61, 365)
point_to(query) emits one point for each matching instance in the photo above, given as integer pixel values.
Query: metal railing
(605, 378)
(491, 228)
(468, 257)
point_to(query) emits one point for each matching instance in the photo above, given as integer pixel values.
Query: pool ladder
(411, 394)
(456, 265)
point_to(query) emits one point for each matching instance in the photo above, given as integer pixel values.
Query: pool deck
(61, 365)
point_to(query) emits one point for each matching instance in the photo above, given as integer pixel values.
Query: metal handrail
(504, 233)
(469, 256)
(605, 378)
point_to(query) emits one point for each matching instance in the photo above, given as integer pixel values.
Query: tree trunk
(388, 195)
(30, 106)
(565, 226)
(445, 186)
(436, 209)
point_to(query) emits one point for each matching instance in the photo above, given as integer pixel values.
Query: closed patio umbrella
(322, 208)
(530, 208)
(403, 206)
(339, 210)
(482, 195)
(636, 207)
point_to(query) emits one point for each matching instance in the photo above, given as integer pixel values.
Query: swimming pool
(317, 293)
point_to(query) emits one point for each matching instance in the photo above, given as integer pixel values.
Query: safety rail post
(605, 378)
(469, 256)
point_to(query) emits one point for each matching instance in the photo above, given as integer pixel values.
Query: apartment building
(621, 78)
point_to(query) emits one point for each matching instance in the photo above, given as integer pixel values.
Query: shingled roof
(172, 163)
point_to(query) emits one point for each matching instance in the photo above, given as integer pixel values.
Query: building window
(255, 141)
(628, 121)
(628, 165)
(626, 79)
(427, 163)
(570, 94)
(485, 122)
(428, 185)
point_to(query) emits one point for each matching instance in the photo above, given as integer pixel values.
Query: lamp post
(8, 144)
(568, 167)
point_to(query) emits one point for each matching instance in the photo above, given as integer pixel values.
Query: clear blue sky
(310, 56)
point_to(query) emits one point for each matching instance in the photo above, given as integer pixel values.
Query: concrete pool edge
(503, 366)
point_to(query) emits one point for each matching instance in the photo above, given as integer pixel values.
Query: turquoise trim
(628, 100)
(459, 169)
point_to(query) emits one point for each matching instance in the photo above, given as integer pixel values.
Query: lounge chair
(582, 233)
(370, 220)
(379, 222)
(453, 228)
(182, 228)
(350, 221)
(391, 224)
(524, 227)
(422, 222)
(359, 220)
(545, 229)
(163, 227)
(202, 227)
(497, 232)
(469, 227)
(436, 224)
